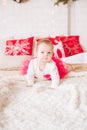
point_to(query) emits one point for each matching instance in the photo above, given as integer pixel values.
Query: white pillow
(76, 59)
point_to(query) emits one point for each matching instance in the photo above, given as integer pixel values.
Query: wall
(33, 17)
(79, 20)
(41, 18)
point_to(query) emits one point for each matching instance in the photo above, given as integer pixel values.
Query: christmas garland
(62, 1)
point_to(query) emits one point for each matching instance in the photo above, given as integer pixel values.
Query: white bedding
(74, 59)
(39, 108)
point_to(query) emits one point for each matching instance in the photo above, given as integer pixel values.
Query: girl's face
(44, 53)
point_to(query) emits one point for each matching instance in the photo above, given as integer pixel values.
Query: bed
(41, 108)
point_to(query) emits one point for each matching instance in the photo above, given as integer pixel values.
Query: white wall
(34, 17)
(41, 18)
(79, 20)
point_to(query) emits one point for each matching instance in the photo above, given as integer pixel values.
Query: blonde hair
(45, 41)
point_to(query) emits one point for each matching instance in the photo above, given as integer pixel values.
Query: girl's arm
(30, 74)
(55, 77)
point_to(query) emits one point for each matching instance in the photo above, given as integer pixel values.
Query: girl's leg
(78, 67)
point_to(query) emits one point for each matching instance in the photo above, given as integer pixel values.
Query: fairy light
(4, 2)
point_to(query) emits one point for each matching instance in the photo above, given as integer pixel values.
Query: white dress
(34, 71)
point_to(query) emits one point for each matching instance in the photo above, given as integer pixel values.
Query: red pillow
(58, 47)
(19, 47)
(71, 45)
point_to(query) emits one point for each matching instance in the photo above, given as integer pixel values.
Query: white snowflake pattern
(60, 47)
(19, 48)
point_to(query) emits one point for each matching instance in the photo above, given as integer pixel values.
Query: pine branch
(62, 1)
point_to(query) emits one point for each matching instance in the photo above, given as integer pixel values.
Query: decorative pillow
(80, 58)
(10, 62)
(19, 47)
(71, 45)
(3, 44)
(58, 47)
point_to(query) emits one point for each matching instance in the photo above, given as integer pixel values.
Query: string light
(4, 2)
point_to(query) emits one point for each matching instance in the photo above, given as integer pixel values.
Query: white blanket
(39, 108)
